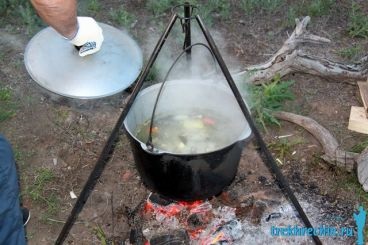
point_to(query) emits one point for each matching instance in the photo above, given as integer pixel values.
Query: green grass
(350, 183)
(39, 192)
(358, 22)
(94, 6)
(5, 94)
(291, 15)
(61, 114)
(7, 107)
(214, 9)
(251, 6)
(318, 8)
(3, 7)
(153, 74)
(5, 114)
(122, 17)
(222, 8)
(159, 7)
(21, 156)
(351, 53)
(7, 6)
(100, 234)
(2, 56)
(207, 10)
(20, 13)
(29, 18)
(266, 98)
(284, 147)
(313, 8)
(358, 148)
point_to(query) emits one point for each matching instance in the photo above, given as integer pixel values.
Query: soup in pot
(193, 133)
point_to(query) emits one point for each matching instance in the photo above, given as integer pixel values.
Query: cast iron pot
(188, 176)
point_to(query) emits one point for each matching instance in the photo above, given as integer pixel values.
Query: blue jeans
(11, 219)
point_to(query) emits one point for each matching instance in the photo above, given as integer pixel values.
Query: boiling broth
(193, 133)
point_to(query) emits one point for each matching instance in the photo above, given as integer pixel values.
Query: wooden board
(358, 121)
(363, 88)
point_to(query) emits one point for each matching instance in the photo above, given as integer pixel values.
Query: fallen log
(290, 59)
(333, 153)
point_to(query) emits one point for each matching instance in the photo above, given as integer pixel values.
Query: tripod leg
(269, 160)
(109, 147)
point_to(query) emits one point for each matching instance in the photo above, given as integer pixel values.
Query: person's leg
(11, 219)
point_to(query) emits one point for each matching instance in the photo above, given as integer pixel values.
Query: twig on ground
(63, 222)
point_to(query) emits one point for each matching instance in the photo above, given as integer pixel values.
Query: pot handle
(150, 149)
(149, 145)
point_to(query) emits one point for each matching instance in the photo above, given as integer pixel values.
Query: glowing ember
(191, 205)
(170, 210)
(195, 234)
(173, 208)
(217, 239)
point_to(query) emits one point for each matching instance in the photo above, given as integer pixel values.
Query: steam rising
(201, 64)
(195, 73)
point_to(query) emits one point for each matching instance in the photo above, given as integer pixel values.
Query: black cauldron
(188, 176)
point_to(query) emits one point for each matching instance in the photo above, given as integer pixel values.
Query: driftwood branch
(290, 58)
(333, 153)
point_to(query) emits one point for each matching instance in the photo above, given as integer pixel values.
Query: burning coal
(204, 224)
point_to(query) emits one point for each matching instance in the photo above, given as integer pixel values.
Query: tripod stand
(110, 144)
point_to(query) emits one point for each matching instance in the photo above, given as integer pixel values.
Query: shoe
(26, 216)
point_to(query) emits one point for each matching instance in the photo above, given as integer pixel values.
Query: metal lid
(54, 64)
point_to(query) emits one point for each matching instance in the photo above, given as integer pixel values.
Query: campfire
(248, 219)
(195, 222)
